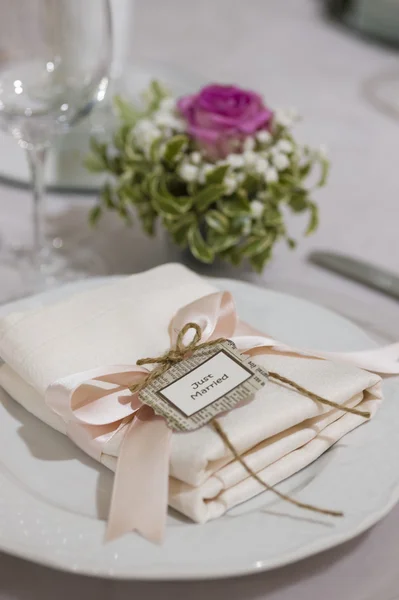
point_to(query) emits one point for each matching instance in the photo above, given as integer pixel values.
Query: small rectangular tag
(213, 380)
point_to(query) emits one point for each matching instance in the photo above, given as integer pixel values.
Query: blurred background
(336, 62)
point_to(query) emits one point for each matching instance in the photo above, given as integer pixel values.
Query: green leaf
(208, 196)
(154, 149)
(127, 177)
(256, 245)
(164, 202)
(217, 174)
(120, 136)
(198, 246)
(291, 243)
(217, 221)
(222, 243)
(133, 193)
(325, 168)
(157, 89)
(95, 215)
(258, 261)
(166, 206)
(184, 203)
(148, 223)
(94, 163)
(155, 93)
(305, 170)
(174, 146)
(98, 147)
(179, 227)
(236, 206)
(251, 184)
(298, 201)
(126, 112)
(131, 151)
(232, 255)
(144, 208)
(258, 230)
(272, 217)
(107, 197)
(313, 220)
(186, 220)
(115, 165)
(180, 235)
(124, 214)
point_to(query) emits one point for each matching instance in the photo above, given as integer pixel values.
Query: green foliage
(174, 147)
(202, 215)
(217, 175)
(208, 196)
(199, 248)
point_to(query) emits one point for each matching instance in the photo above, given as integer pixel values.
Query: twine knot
(173, 356)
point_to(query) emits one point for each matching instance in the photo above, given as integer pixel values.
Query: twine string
(324, 511)
(182, 351)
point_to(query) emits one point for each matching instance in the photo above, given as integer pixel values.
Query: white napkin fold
(119, 323)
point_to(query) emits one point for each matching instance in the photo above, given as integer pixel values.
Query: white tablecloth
(284, 49)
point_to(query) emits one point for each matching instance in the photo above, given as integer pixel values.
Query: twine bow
(173, 356)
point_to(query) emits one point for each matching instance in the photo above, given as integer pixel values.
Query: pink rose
(220, 117)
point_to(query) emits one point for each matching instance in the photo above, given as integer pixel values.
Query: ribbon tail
(140, 492)
(384, 360)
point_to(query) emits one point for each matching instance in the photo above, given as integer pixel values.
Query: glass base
(24, 273)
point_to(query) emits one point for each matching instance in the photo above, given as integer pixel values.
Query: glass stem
(37, 159)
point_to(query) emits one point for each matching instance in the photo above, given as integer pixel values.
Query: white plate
(64, 169)
(52, 495)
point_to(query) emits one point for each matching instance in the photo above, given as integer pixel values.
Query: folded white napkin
(279, 430)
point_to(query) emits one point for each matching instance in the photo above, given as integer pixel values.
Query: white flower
(285, 117)
(235, 160)
(195, 158)
(271, 175)
(167, 104)
(264, 137)
(261, 165)
(249, 144)
(167, 119)
(145, 133)
(188, 172)
(257, 208)
(323, 151)
(250, 158)
(246, 230)
(281, 161)
(284, 146)
(143, 126)
(240, 177)
(230, 183)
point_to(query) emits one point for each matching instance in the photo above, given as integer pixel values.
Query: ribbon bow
(97, 404)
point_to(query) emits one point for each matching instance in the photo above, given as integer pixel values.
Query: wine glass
(55, 57)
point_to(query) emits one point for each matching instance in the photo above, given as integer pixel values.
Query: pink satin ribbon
(96, 404)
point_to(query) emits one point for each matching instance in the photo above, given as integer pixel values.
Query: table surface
(287, 51)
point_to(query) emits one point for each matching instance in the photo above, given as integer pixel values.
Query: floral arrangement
(217, 168)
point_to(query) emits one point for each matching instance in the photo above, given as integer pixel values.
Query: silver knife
(358, 270)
